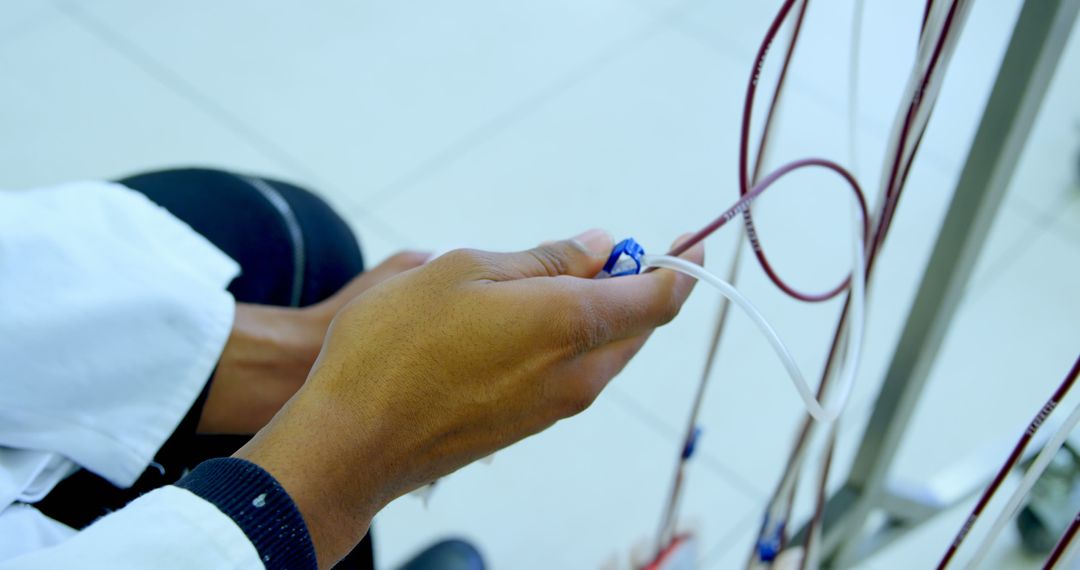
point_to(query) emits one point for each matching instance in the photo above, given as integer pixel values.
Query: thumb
(580, 256)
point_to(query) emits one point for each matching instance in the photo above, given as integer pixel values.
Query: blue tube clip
(691, 444)
(625, 259)
(769, 540)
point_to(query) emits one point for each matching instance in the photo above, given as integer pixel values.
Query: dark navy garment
(261, 507)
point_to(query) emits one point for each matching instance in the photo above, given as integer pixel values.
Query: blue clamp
(768, 544)
(625, 259)
(688, 449)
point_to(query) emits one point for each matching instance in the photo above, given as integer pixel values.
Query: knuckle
(544, 260)
(553, 258)
(576, 402)
(582, 327)
(463, 256)
(465, 259)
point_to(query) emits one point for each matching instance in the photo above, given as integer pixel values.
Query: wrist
(335, 473)
(265, 361)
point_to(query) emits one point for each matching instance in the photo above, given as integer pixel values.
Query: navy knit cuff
(253, 499)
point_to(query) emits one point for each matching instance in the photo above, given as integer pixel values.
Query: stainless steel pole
(1038, 38)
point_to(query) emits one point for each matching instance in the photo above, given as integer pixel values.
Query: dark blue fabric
(235, 216)
(253, 499)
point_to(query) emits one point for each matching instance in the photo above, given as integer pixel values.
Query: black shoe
(452, 554)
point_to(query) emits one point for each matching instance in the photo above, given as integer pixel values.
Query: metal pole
(1038, 39)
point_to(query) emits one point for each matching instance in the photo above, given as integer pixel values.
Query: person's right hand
(449, 362)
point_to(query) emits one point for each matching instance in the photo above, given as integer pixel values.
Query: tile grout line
(180, 86)
(511, 116)
(1055, 213)
(271, 150)
(722, 545)
(1066, 229)
(369, 220)
(1038, 223)
(185, 90)
(35, 22)
(663, 429)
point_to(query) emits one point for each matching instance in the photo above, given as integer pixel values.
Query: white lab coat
(113, 314)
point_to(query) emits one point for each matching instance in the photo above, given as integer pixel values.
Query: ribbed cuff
(253, 499)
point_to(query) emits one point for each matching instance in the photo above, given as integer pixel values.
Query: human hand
(398, 263)
(270, 351)
(443, 365)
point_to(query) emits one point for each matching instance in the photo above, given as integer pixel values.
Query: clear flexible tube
(1042, 461)
(853, 87)
(778, 511)
(822, 413)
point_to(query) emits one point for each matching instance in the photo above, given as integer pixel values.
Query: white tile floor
(493, 124)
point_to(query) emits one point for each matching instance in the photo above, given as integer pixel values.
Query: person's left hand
(271, 349)
(398, 263)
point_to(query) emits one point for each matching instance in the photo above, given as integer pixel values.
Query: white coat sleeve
(166, 528)
(113, 314)
(226, 513)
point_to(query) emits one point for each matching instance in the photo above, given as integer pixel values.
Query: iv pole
(1038, 38)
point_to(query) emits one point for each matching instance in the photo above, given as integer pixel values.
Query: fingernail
(598, 242)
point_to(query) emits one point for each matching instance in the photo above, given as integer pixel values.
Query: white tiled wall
(502, 124)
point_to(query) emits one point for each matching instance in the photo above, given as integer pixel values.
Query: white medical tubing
(1015, 501)
(821, 413)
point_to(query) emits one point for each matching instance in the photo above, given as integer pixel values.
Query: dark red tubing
(1063, 543)
(1011, 462)
(743, 204)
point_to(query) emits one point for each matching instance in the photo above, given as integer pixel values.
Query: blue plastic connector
(768, 544)
(625, 259)
(691, 444)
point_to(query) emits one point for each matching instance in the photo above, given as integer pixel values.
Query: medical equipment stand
(1038, 38)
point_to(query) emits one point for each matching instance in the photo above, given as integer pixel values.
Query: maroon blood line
(1011, 462)
(1063, 543)
(743, 204)
(891, 198)
(893, 188)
